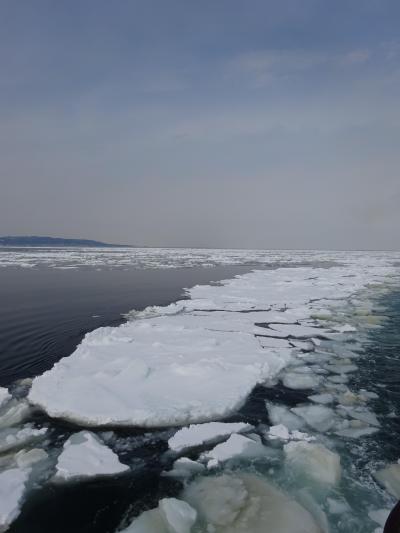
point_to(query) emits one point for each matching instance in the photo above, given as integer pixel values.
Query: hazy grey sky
(232, 123)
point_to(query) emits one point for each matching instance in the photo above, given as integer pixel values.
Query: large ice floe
(198, 359)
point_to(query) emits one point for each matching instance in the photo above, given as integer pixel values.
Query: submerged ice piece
(318, 417)
(4, 396)
(245, 503)
(389, 478)
(184, 468)
(84, 456)
(171, 516)
(314, 461)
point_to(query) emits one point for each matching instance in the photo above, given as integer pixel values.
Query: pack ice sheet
(198, 359)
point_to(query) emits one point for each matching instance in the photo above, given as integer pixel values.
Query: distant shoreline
(56, 242)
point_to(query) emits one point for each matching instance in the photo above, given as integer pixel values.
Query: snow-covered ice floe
(85, 456)
(198, 360)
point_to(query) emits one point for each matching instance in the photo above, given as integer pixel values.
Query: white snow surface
(198, 359)
(198, 434)
(84, 456)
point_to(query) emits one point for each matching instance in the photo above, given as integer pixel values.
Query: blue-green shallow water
(99, 506)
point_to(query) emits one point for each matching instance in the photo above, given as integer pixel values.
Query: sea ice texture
(198, 360)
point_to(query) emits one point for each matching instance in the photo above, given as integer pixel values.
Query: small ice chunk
(379, 516)
(12, 489)
(4, 396)
(199, 434)
(318, 417)
(85, 456)
(295, 380)
(178, 515)
(281, 432)
(280, 414)
(234, 446)
(325, 398)
(389, 478)
(184, 467)
(314, 461)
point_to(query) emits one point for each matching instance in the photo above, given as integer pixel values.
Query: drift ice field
(248, 389)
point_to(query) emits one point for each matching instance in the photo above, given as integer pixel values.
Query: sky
(210, 123)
